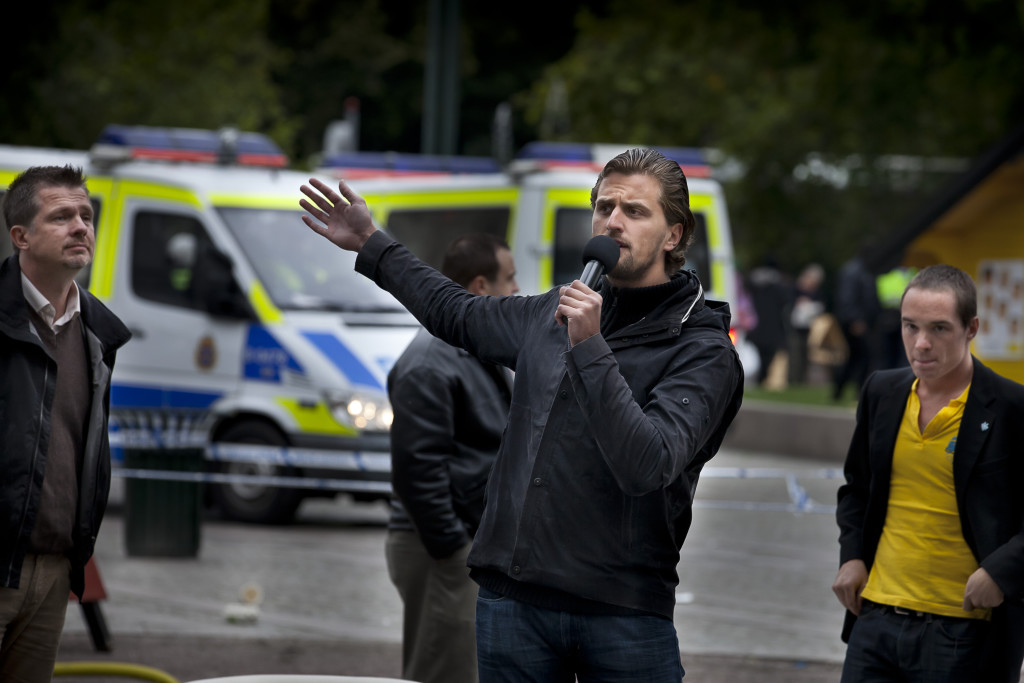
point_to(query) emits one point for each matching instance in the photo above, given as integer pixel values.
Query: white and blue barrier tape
(352, 461)
(357, 461)
(323, 484)
(799, 500)
(176, 431)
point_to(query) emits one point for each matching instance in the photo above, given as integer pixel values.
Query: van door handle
(137, 333)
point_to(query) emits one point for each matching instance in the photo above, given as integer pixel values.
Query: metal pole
(441, 79)
(450, 79)
(432, 69)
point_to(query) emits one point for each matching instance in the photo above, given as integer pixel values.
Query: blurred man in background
(450, 410)
(856, 309)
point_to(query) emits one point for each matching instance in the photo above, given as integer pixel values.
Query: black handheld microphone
(600, 255)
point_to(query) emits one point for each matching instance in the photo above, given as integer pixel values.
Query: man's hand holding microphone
(579, 307)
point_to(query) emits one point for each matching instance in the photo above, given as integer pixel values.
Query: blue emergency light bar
(401, 163)
(576, 155)
(533, 156)
(560, 151)
(227, 146)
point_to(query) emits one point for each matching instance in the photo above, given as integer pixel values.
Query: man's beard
(628, 269)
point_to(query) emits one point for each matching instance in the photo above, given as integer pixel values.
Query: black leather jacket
(450, 411)
(592, 488)
(26, 394)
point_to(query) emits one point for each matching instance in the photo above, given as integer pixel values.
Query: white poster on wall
(1000, 309)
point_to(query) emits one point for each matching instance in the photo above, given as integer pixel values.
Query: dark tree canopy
(821, 109)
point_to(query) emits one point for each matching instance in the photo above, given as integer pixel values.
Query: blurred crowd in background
(806, 329)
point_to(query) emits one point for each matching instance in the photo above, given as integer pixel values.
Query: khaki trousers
(32, 619)
(439, 617)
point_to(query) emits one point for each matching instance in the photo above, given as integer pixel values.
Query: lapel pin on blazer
(984, 426)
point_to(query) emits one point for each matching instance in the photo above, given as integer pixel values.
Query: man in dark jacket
(450, 410)
(857, 309)
(621, 396)
(57, 346)
(931, 517)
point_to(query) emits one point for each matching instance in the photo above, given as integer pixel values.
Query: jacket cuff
(590, 350)
(373, 250)
(1003, 572)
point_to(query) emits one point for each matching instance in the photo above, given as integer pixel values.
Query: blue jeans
(885, 646)
(517, 642)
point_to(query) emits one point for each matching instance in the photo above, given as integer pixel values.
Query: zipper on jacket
(32, 469)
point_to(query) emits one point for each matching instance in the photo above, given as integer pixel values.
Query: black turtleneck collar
(624, 306)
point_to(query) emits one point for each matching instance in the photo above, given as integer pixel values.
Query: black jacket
(988, 474)
(26, 396)
(450, 410)
(856, 295)
(592, 488)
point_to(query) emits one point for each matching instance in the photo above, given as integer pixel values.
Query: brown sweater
(69, 413)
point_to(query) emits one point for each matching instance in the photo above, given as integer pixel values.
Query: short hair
(21, 200)
(472, 255)
(953, 279)
(674, 198)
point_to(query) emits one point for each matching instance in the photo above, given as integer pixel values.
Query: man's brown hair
(21, 200)
(955, 280)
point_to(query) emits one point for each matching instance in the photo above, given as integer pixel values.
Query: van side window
(6, 249)
(84, 275)
(573, 230)
(164, 251)
(427, 233)
(698, 255)
(5, 240)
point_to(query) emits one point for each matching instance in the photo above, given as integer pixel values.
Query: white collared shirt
(45, 309)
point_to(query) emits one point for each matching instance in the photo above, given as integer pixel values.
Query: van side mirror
(216, 289)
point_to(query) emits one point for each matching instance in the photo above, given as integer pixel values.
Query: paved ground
(753, 602)
(189, 658)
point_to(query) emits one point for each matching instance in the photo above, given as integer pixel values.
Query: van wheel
(256, 503)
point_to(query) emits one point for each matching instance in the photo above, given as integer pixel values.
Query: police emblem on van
(206, 353)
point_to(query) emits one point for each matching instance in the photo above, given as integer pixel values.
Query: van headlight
(362, 411)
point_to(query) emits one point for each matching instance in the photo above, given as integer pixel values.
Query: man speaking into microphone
(623, 392)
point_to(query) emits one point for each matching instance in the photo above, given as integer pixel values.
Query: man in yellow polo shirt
(931, 516)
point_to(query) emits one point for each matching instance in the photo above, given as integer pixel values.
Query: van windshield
(298, 268)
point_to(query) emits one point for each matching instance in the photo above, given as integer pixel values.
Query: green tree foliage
(191, 63)
(806, 99)
(374, 51)
(283, 67)
(371, 50)
(768, 85)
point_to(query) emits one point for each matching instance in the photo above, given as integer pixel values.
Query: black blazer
(988, 474)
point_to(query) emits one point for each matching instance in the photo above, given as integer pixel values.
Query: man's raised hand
(341, 218)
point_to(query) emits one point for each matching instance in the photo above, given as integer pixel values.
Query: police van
(242, 316)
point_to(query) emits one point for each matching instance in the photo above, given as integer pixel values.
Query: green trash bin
(161, 514)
